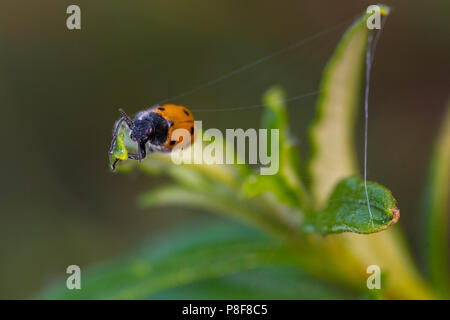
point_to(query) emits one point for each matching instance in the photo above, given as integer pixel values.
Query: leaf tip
(274, 97)
(384, 9)
(395, 216)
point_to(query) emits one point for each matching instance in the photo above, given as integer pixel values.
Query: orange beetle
(154, 128)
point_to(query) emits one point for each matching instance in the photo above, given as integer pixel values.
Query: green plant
(290, 243)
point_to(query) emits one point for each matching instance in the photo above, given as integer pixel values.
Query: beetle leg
(135, 156)
(132, 156)
(113, 166)
(116, 130)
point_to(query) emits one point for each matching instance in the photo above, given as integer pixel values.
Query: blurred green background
(60, 91)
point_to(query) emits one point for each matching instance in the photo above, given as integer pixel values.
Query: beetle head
(141, 132)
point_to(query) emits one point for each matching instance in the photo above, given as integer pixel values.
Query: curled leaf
(119, 151)
(333, 155)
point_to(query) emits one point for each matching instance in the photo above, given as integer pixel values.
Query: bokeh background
(60, 91)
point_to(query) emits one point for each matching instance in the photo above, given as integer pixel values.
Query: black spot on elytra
(192, 130)
(161, 108)
(172, 142)
(186, 112)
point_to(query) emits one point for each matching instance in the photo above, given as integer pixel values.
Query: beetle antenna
(126, 118)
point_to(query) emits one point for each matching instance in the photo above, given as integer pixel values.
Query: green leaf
(333, 158)
(161, 163)
(215, 188)
(347, 209)
(331, 134)
(119, 152)
(282, 282)
(256, 185)
(437, 208)
(220, 200)
(183, 258)
(275, 114)
(286, 184)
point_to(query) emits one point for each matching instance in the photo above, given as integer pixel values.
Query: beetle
(153, 129)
